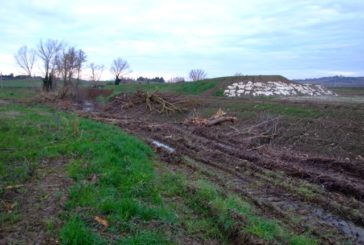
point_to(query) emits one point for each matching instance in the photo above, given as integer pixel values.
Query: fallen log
(215, 121)
(218, 118)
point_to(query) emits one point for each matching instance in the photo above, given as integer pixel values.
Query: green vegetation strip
(124, 193)
(206, 199)
(186, 88)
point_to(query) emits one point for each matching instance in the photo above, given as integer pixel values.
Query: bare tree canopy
(81, 58)
(68, 65)
(25, 58)
(47, 51)
(197, 74)
(96, 72)
(119, 67)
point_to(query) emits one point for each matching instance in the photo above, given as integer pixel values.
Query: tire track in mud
(342, 177)
(244, 169)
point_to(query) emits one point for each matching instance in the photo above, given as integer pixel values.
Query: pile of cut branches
(261, 133)
(159, 103)
(218, 118)
(153, 101)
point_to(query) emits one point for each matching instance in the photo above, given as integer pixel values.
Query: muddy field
(306, 171)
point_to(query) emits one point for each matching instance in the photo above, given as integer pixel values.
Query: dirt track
(319, 195)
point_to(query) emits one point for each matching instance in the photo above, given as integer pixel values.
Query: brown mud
(37, 204)
(312, 193)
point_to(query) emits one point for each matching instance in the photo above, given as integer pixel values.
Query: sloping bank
(114, 198)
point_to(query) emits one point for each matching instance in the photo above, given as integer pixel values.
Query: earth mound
(274, 88)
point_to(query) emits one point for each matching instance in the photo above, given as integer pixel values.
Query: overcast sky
(297, 39)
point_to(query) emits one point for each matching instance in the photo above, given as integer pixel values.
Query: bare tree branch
(119, 67)
(197, 74)
(68, 64)
(81, 58)
(25, 58)
(96, 72)
(47, 51)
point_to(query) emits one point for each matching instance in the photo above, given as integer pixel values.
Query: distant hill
(336, 81)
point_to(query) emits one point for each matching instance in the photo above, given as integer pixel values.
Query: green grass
(17, 93)
(20, 83)
(206, 199)
(125, 192)
(76, 231)
(187, 88)
(354, 91)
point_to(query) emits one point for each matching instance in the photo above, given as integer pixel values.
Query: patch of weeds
(206, 199)
(219, 93)
(76, 232)
(51, 225)
(203, 226)
(190, 216)
(10, 218)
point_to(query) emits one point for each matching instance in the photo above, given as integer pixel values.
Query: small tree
(47, 52)
(81, 58)
(68, 64)
(25, 58)
(119, 68)
(96, 72)
(197, 74)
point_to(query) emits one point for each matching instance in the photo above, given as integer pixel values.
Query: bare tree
(197, 74)
(68, 64)
(81, 58)
(25, 58)
(119, 68)
(96, 72)
(47, 51)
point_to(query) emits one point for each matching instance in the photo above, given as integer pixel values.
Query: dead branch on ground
(218, 118)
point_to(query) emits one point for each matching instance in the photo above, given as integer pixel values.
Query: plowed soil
(319, 191)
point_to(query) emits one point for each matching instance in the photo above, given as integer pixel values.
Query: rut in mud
(320, 195)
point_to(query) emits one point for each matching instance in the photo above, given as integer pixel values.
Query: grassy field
(125, 191)
(359, 91)
(191, 88)
(22, 83)
(31, 83)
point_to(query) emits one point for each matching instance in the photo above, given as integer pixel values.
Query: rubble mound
(275, 88)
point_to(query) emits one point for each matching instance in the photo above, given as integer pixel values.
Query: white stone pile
(278, 88)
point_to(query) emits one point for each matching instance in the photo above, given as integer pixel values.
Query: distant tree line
(60, 61)
(11, 76)
(150, 80)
